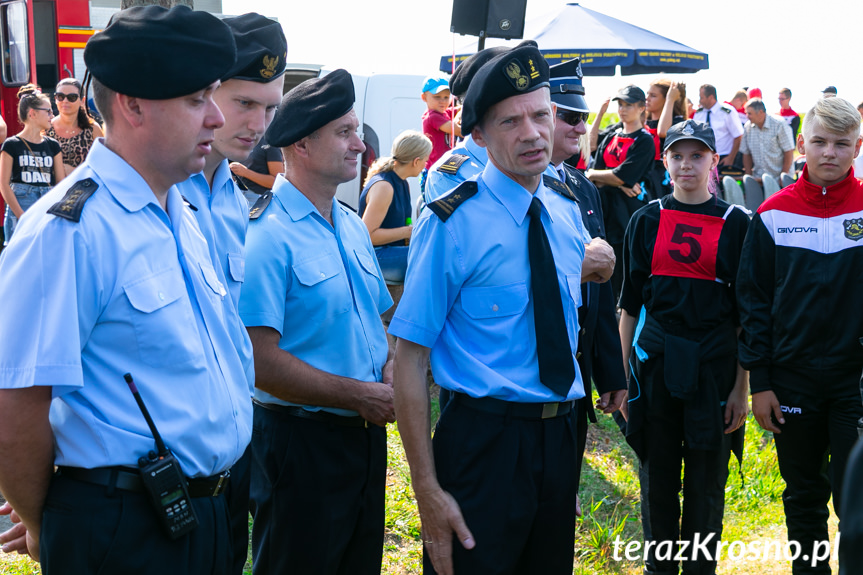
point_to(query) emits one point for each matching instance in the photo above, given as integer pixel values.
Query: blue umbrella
(602, 43)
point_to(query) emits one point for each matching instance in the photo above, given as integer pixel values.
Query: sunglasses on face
(60, 96)
(573, 118)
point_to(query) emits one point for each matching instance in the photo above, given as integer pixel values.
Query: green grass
(610, 503)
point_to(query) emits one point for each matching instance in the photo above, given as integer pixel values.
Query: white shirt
(725, 123)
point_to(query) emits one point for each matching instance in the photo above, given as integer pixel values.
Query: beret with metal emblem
(463, 75)
(262, 49)
(690, 130)
(518, 71)
(311, 106)
(154, 53)
(566, 87)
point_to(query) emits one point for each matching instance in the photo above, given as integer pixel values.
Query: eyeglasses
(60, 96)
(49, 110)
(573, 118)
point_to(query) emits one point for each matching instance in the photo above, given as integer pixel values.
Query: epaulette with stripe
(453, 164)
(72, 204)
(445, 206)
(348, 206)
(556, 185)
(260, 205)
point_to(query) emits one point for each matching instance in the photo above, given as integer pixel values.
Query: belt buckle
(549, 410)
(222, 484)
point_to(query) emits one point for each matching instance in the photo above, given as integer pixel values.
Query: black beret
(311, 106)
(154, 53)
(518, 71)
(463, 75)
(262, 49)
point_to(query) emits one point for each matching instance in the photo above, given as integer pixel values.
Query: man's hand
(387, 373)
(441, 517)
(17, 539)
(727, 161)
(598, 262)
(376, 405)
(610, 401)
(765, 404)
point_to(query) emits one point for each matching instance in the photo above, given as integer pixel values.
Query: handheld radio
(164, 481)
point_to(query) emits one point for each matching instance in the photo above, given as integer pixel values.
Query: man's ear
(130, 108)
(800, 145)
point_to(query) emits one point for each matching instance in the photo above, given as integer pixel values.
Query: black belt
(513, 409)
(129, 479)
(322, 416)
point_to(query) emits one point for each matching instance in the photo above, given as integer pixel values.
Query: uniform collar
(122, 180)
(222, 176)
(294, 202)
(512, 195)
(475, 149)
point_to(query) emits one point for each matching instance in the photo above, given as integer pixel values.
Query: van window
(16, 53)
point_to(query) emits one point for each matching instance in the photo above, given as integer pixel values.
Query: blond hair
(836, 115)
(407, 147)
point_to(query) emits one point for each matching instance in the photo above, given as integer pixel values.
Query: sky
(761, 43)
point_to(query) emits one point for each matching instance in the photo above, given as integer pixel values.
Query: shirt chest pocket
(488, 303)
(573, 283)
(162, 319)
(323, 288)
(237, 267)
(371, 275)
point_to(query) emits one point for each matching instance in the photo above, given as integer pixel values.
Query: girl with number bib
(30, 164)
(678, 326)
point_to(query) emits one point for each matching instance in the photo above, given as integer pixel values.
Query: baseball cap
(829, 90)
(631, 94)
(435, 85)
(690, 130)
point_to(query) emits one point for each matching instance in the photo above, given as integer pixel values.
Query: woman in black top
(385, 202)
(665, 106)
(30, 164)
(678, 328)
(623, 158)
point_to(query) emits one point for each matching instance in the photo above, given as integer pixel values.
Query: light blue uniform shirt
(439, 183)
(125, 289)
(223, 216)
(467, 291)
(318, 285)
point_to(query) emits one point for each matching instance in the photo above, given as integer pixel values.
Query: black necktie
(708, 118)
(556, 370)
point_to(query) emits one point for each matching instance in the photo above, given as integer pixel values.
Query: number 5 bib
(687, 244)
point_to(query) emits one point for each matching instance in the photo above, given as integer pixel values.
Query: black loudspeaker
(489, 18)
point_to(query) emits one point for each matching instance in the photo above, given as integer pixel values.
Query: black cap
(463, 75)
(829, 90)
(518, 71)
(567, 90)
(311, 106)
(262, 49)
(690, 130)
(631, 94)
(154, 53)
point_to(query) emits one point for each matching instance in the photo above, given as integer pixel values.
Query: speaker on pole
(489, 18)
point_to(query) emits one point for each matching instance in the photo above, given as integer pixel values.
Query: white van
(386, 105)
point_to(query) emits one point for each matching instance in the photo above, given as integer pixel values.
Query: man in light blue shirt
(112, 275)
(248, 97)
(312, 301)
(470, 304)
